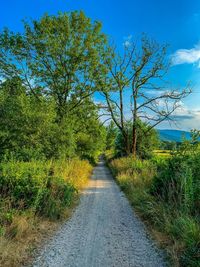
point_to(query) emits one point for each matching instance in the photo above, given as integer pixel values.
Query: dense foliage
(146, 142)
(45, 187)
(34, 195)
(29, 128)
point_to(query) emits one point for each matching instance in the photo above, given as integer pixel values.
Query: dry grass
(162, 153)
(74, 171)
(25, 236)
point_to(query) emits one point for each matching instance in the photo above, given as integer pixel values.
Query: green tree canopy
(58, 56)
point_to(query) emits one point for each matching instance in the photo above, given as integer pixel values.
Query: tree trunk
(126, 143)
(134, 140)
(127, 146)
(134, 129)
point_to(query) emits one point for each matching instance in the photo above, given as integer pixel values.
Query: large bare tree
(135, 90)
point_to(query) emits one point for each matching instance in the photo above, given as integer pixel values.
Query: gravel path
(102, 232)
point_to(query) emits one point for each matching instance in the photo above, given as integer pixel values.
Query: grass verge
(36, 197)
(175, 229)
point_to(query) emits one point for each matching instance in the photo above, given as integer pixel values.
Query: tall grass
(44, 187)
(31, 191)
(166, 194)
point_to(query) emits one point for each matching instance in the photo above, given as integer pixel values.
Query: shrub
(21, 181)
(178, 183)
(52, 200)
(147, 141)
(45, 187)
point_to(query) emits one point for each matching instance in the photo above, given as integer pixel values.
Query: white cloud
(189, 56)
(127, 40)
(186, 118)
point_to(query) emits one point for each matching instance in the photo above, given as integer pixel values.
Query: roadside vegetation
(50, 134)
(165, 190)
(34, 195)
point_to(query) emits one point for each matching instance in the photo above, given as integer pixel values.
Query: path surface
(102, 232)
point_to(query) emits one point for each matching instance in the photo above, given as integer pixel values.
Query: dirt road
(102, 232)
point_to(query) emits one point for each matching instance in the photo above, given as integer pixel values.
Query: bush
(52, 200)
(45, 187)
(33, 196)
(21, 182)
(178, 183)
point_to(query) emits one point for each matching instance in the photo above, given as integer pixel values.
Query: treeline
(48, 77)
(30, 128)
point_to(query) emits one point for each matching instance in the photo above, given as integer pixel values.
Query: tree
(145, 143)
(58, 56)
(138, 75)
(29, 129)
(111, 134)
(89, 132)
(27, 125)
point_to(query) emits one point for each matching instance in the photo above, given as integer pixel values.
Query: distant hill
(173, 135)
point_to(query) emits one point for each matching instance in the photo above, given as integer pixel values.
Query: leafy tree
(50, 72)
(58, 56)
(111, 134)
(26, 124)
(89, 132)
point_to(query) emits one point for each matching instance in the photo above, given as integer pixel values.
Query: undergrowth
(166, 193)
(34, 195)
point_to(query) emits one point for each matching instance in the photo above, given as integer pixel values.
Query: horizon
(177, 26)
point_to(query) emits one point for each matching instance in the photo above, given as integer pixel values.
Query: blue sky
(174, 22)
